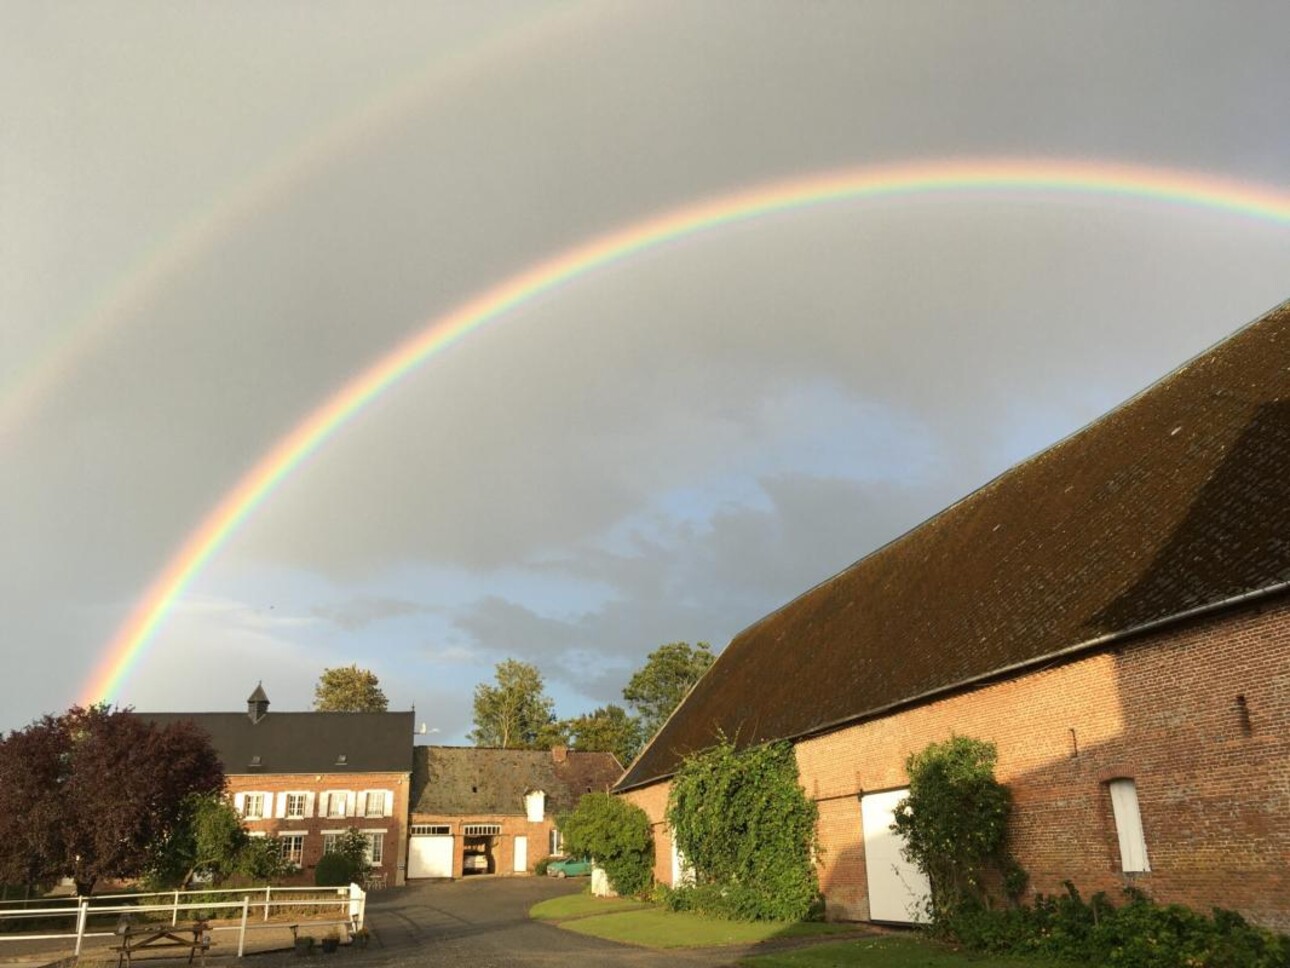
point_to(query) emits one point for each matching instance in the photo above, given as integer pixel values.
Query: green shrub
(744, 824)
(335, 870)
(1138, 934)
(617, 834)
(540, 867)
(955, 824)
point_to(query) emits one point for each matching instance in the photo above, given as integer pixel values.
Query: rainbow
(1063, 178)
(23, 388)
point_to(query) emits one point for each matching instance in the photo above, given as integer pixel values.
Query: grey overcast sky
(213, 215)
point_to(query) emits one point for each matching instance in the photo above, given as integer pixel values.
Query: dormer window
(342, 760)
(256, 763)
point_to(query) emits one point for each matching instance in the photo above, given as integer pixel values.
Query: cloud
(360, 612)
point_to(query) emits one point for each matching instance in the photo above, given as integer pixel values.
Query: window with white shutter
(1128, 826)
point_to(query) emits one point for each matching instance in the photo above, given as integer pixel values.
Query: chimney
(559, 753)
(257, 704)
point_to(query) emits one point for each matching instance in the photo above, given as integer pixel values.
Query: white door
(521, 854)
(898, 890)
(430, 855)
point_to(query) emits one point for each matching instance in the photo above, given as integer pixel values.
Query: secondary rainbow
(1066, 178)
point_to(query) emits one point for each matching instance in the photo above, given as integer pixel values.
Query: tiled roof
(306, 742)
(1178, 499)
(461, 780)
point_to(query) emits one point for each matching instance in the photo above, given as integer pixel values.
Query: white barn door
(521, 854)
(430, 855)
(898, 890)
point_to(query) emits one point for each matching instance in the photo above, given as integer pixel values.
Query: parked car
(474, 864)
(569, 867)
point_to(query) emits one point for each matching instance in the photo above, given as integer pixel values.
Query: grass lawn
(581, 906)
(656, 928)
(891, 953)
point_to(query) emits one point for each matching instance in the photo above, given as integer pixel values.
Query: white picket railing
(349, 902)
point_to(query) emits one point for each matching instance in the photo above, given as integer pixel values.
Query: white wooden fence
(347, 905)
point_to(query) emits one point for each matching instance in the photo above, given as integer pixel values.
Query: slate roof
(1178, 499)
(306, 742)
(465, 780)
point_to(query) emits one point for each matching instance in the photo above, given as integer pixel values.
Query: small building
(1113, 613)
(482, 810)
(305, 777)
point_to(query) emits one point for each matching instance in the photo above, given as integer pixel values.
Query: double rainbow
(1067, 178)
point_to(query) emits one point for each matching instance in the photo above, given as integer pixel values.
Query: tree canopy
(349, 689)
(658, 687)
(91, 793)
(210, 840)
(609, 729)
(516, 713)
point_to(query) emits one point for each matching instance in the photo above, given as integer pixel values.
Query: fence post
(174, 914)
(81, 914)
(241, 938)
(267, 889)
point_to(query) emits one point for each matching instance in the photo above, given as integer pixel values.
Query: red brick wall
(394, 862)
(1161, 709)
(653, 800)
(538, 834)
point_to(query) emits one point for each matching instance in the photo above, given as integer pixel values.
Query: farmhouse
(480, 810)
(1112, 613)
(306, 777)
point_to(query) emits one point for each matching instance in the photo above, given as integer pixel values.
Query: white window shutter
(281, 810)
(239, 804)
(361, 811)
(1128, 826)
(309, 803)
(324, 804)
(387, 809)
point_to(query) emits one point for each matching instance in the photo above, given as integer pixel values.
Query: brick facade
(503, 850)
(389, 819)
(1198, 715)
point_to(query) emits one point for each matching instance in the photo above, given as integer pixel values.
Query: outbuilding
(1112, 613)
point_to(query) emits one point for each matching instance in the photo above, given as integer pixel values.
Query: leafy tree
(609, 729)
(208, 840)
(617, 835)
(349, 689)
(91, 793)
(955, 823)
(516, 713)
(658, 687)
(346, 862)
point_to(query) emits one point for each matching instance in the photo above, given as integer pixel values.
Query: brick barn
(1112, 613)
(481, 810)
(302, 778)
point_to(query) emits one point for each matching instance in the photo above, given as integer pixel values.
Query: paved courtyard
(483, 923)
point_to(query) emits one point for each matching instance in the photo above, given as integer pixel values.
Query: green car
(569, 867)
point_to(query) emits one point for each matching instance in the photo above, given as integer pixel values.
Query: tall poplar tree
(516, 713)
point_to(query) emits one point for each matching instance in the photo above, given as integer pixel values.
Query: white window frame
(247, 799)
(336, 799)
(1128, 826)
(555, 842)
(383, 801)
(293, 834)
(375, 845)
(303, 799)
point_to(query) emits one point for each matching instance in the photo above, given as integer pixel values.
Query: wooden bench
(197, 939)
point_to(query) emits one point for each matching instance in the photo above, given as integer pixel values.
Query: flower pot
(329, 945)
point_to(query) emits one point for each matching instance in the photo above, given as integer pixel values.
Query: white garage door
(430, 855)
(897, 889)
